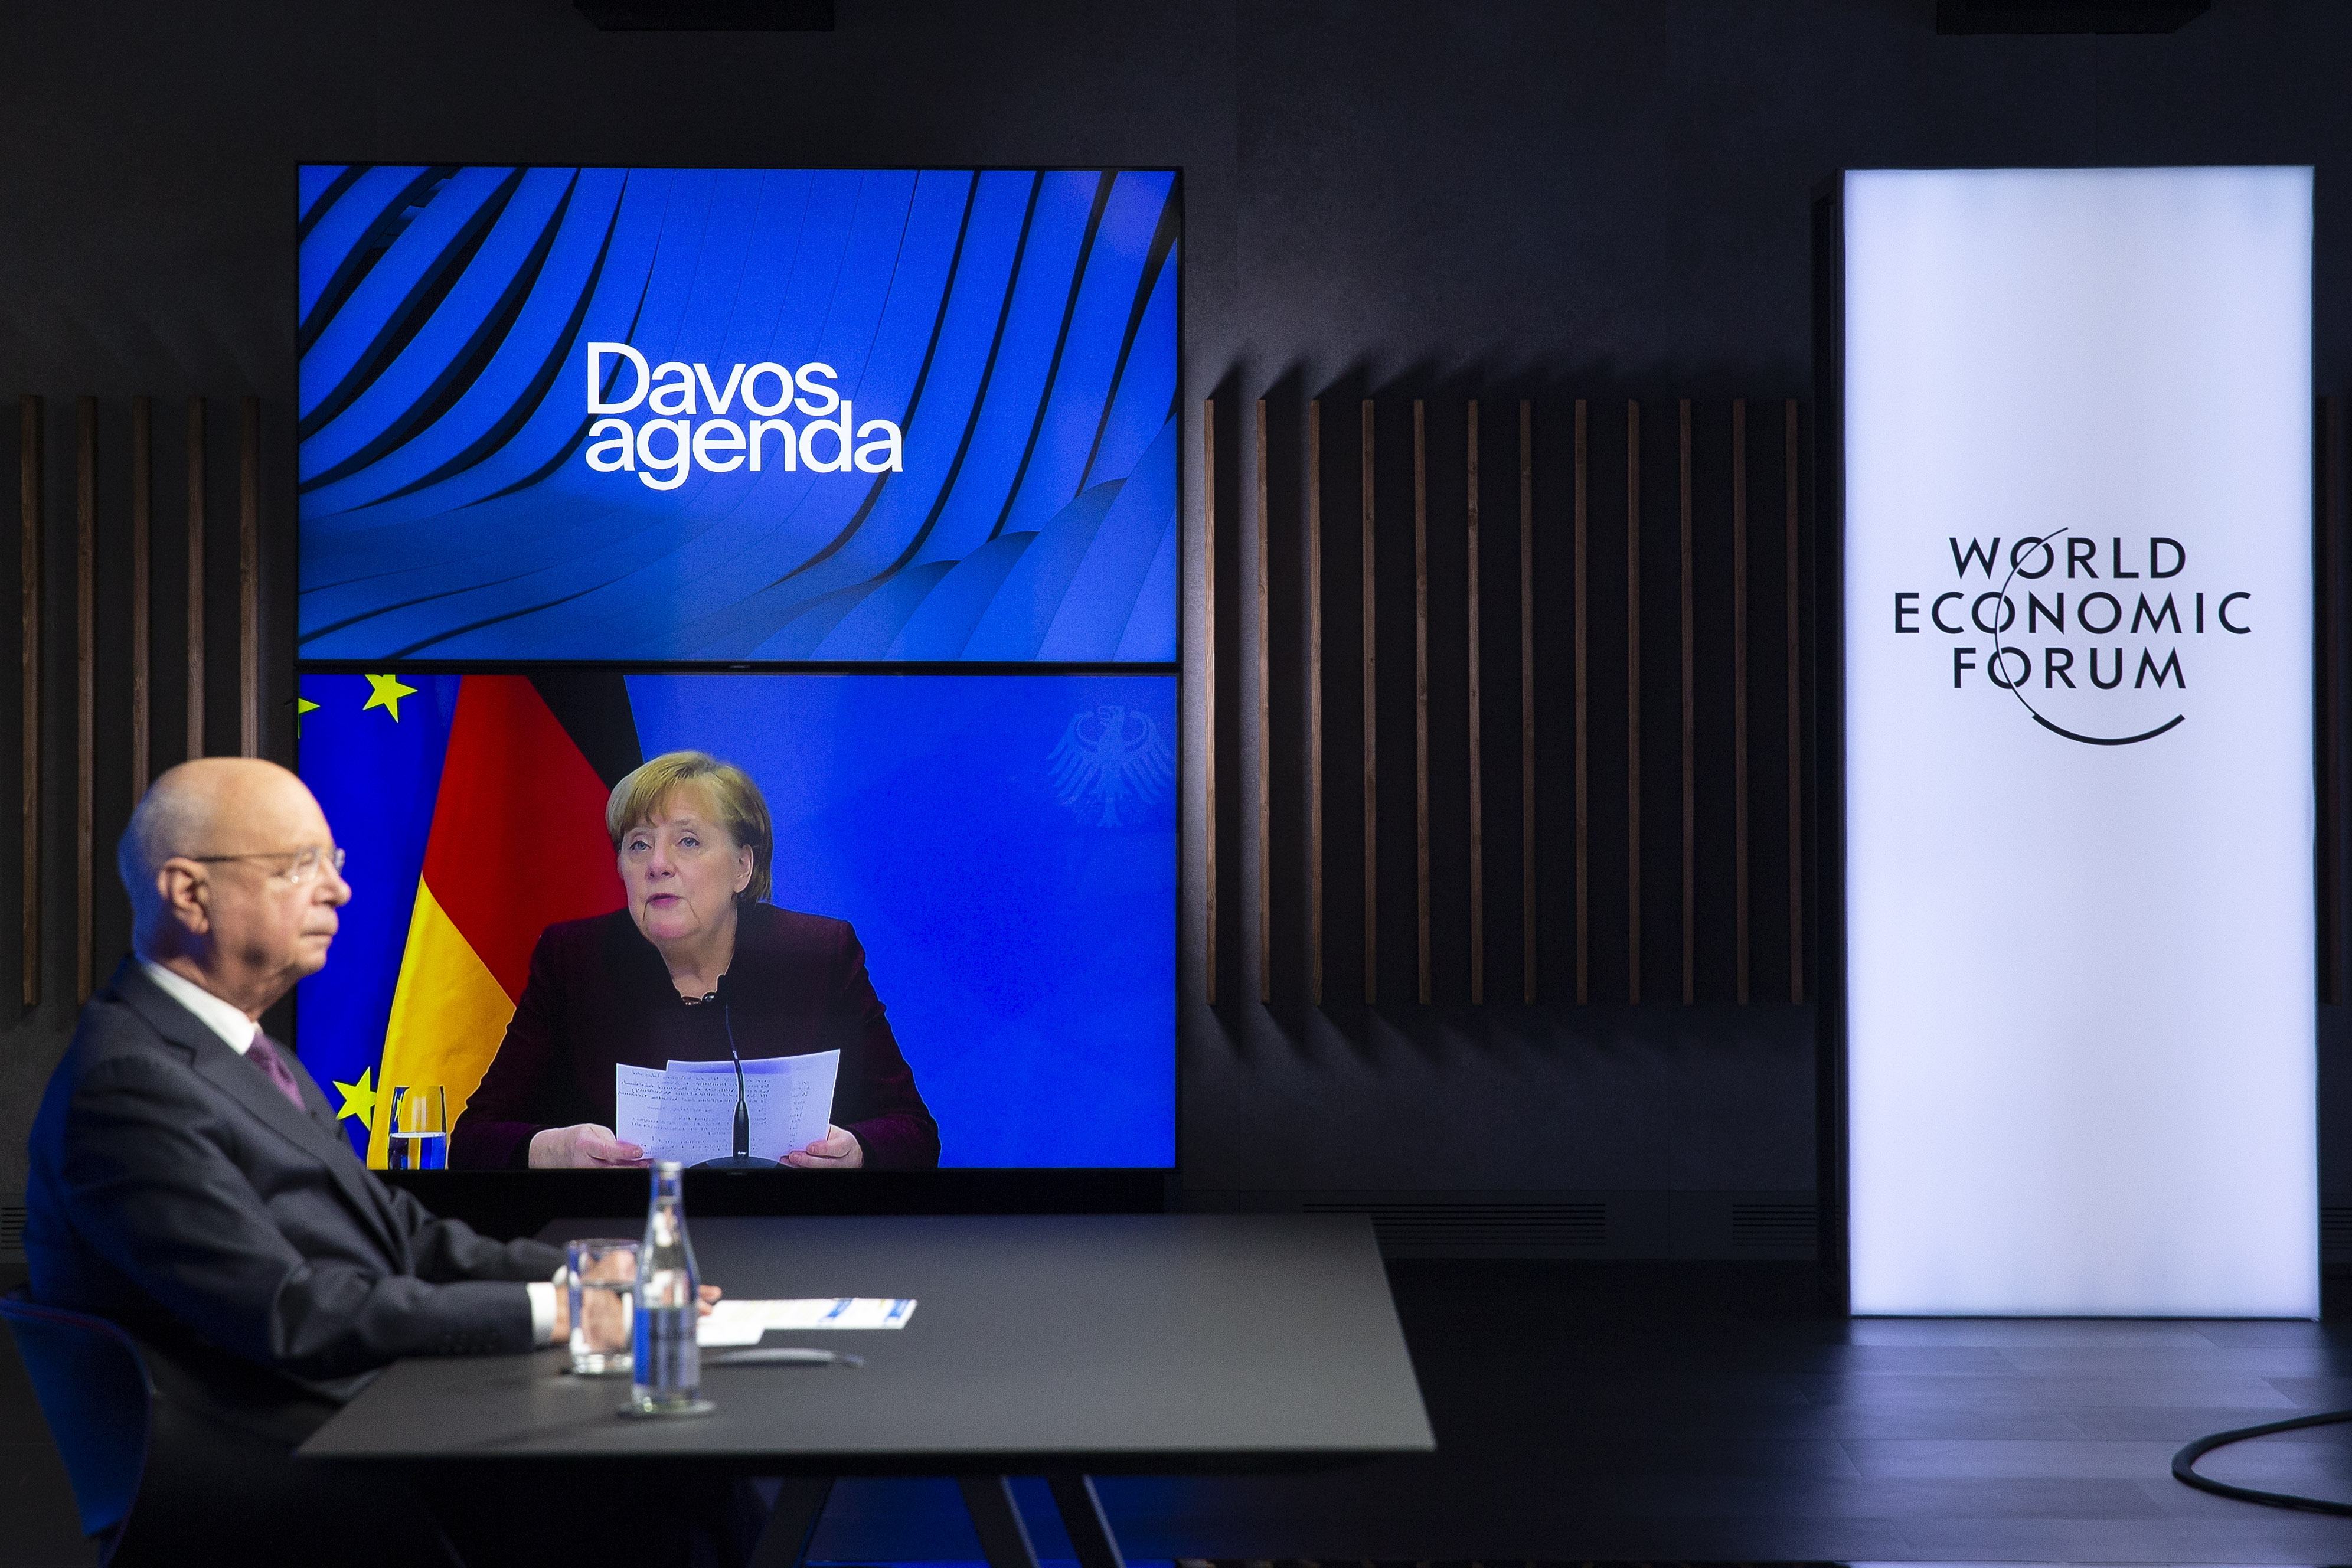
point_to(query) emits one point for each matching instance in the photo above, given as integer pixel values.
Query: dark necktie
(264, 1054)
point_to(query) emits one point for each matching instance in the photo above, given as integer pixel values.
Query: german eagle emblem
(1113, 755)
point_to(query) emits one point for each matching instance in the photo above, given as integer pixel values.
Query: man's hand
(587, 1147)
(838, 1150)
(710, 1294)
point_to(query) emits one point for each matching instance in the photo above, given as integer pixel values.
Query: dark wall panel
(1603, 199)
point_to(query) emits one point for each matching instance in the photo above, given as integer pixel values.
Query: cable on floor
(2184, 1465)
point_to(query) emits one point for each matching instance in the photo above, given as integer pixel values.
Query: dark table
(1060, 1345)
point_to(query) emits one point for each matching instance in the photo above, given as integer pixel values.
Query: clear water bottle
(665, 1374)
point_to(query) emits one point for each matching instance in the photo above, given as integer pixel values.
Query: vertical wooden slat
(1740, 689)
(1208, 684)
(1690, 738)
(195, 577)
(248, 577)
(85, 691)
(1371, 739)
(1583, 693)
(1314, 703)
(1477, 804)
(30, 521)
(1421, 696)
(2331, 654)
(1796, 747)
(1527, 702)
(1265, 745)
(142, 517)
(1633, 701)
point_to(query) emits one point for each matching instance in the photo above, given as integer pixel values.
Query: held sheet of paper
(688, 1112)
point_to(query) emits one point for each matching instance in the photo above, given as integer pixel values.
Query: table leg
(1083, 1517)
(1003, 1539)
(791, 1524)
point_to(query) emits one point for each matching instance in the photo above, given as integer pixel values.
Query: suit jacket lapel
(250, 1087)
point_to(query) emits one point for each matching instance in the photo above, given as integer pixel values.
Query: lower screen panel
(1002, 847)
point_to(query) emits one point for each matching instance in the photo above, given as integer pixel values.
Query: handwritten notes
(686, 1111)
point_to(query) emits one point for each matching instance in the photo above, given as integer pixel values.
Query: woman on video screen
(697, 947)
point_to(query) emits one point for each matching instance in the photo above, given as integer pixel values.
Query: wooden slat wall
(113, 670)
(1633, 702)
(1478, 816)
(85, 693)
(1583, 710)
(195, 578)
(31, 511)
(1264, 792)
(1739, 690)
(249, 578)
(2330, 654)
(1690, 729)
(1790, 461)
(1528, 959)
(1372, 734)
(142, 524)
(1719, 870)
(1208, 684)
(1426, 965)
(1315, 704)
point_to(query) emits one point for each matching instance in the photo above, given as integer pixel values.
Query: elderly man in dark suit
(189, 1183)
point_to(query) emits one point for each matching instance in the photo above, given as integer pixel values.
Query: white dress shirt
(225, 1019)
(237, 1031)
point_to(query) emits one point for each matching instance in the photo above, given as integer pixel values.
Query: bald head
(191, 810)
(220, 889)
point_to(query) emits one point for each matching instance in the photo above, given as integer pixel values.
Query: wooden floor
(1679, 1413)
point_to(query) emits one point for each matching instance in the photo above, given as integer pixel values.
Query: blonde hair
(743, 811)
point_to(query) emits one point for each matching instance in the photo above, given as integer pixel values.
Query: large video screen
(843, 501)
(648, 415)
(973, 901)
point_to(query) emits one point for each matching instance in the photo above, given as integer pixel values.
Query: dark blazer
(175, 1191)
(600, 994)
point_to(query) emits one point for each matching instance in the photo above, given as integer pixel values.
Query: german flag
(518, 843)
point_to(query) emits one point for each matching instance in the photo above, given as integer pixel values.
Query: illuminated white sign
(2078, 735)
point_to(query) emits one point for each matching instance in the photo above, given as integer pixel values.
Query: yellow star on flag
(386, 693)
(302, 705)
(358, 1098)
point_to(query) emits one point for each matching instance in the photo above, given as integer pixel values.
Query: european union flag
(371, 750)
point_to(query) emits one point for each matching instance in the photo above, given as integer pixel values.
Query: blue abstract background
(1019, 326)
(1025, 948)
(1004, 845)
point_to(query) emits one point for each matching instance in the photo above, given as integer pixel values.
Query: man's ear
(187, 895)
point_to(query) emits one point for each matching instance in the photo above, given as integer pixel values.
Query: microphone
(742, 1159)
(742, 1104)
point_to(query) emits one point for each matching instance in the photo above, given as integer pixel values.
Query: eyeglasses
(306, 860)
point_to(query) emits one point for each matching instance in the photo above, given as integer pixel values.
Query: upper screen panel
(654, 414)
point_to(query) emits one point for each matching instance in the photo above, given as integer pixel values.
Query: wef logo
(2095, 639)
(824, 439)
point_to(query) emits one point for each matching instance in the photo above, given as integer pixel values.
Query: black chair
(98, 1399)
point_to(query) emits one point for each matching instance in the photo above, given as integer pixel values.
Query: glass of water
(602, 1272)
(418, 1135)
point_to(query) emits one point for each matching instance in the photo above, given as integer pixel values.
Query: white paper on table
(688, 1112)
(742, 1322)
